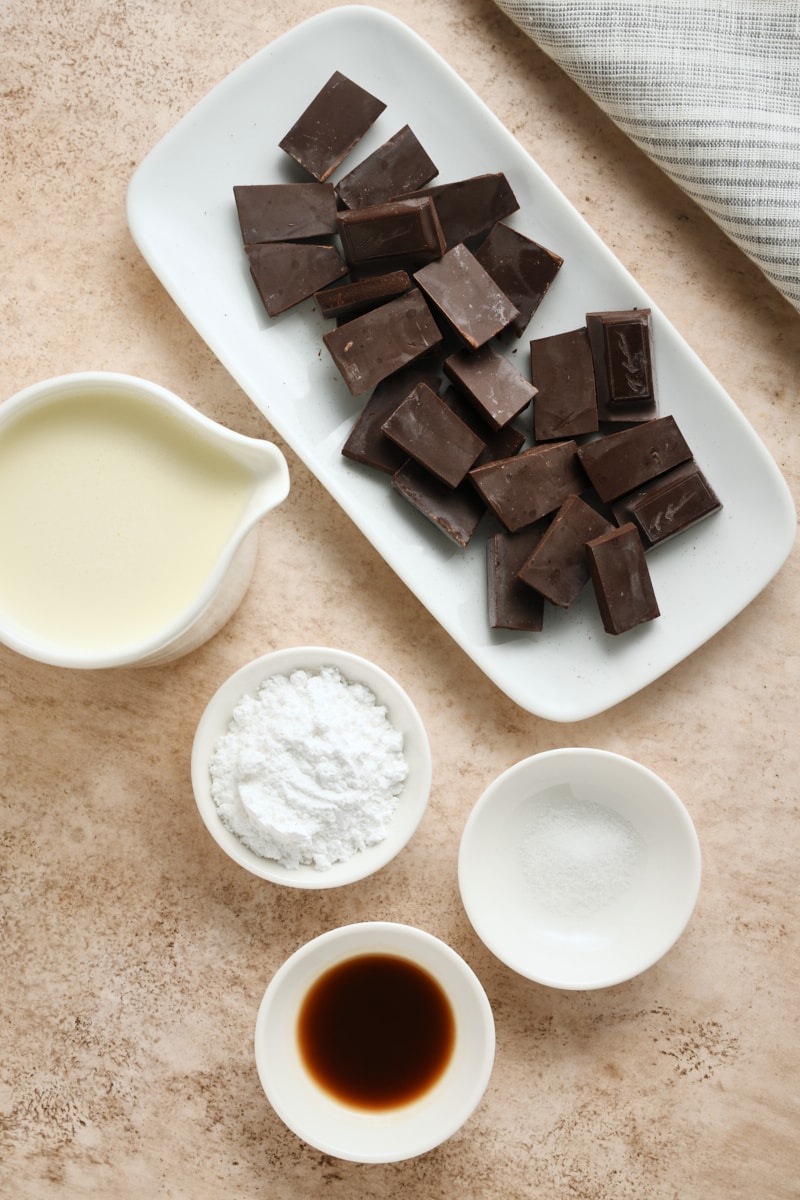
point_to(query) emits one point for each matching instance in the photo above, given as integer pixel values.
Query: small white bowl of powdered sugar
(579, 868)
(311, 767)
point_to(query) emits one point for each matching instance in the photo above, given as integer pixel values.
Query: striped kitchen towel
(710, 90)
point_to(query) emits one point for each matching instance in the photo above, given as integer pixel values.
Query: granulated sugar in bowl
(579, 868)
(311, 767)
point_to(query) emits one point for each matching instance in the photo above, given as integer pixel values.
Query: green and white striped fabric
(710, 91)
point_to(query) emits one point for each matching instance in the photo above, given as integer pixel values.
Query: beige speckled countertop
(134, 954)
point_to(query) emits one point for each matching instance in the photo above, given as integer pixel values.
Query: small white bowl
(349, 1132)
(579, 868)
(402, 714)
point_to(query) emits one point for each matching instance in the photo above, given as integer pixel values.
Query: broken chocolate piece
(491, 382)
(467, 295)
(456, 512)
(558, 566)
(623, 461)
(521, 268)
(427, 429)
(470, 207)
(562, 372)
(370, 347)
(534, 483)
(335, 120)
(668, 504)
(287, 272)
(621, 579)
(401, 231)
(285, 212)
(367, 443)
(399, 165)
(349, 299)
(513, 605)
(620, 343)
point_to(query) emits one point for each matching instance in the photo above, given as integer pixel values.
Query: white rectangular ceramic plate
(182, 216)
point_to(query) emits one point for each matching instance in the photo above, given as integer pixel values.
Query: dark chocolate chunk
(370, 347)
(401, 231)
(668, 504)
(431, 433)
(367, 443)
(334, 122)
(500, 443)
(558, 566)
(287, 272)
(349, 299)
(521, 268)
(491, 382)
(562, 372)
(399, 165)
(513, 605)
(467, 295)
(621, 579)
(620, 343)
(285, 212)
(534, 483)
(470, 207)
(456, 512)
(623, 461)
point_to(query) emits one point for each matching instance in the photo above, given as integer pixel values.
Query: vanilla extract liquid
(376, 1031)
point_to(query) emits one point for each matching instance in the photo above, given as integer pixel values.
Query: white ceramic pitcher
(128, 521)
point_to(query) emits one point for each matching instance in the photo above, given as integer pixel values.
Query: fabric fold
(709, 91)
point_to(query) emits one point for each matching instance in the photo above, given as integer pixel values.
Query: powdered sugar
(310, 770)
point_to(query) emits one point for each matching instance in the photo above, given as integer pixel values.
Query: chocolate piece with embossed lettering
(668, 504)
(401, 232)
(623, 366)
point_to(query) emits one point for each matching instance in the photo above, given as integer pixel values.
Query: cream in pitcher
(124, 521)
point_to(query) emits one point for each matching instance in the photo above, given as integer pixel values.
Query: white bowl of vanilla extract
(374, 1042)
